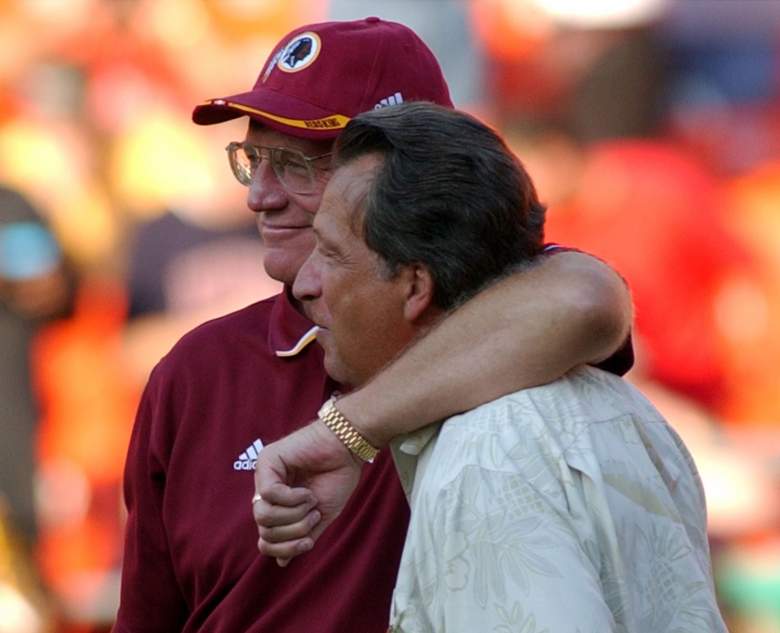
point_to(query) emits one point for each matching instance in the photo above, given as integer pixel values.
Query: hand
(304, 479)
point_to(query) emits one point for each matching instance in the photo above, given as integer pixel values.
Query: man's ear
(419, 291)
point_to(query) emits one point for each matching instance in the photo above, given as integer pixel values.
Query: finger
(291, 549)
(285, 551)
(279, 494)
(291, 531)
(267, 515)
(318, 529)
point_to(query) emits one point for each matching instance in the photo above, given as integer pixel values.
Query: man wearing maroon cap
(238, 383)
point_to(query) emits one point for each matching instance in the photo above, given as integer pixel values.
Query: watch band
(348, 434)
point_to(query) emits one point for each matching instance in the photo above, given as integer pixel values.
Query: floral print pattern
(568, 507)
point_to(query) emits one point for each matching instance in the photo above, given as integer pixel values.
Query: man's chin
(281, 265)
(336, 370)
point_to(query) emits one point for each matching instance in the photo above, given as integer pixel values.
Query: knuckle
(267, 548)
(266, 534)
(261, 516)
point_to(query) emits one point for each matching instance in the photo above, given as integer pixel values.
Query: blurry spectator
(654, 213)
(597, 67)
(34, 287)
(185, 267)
(87, 411)
(621, 91)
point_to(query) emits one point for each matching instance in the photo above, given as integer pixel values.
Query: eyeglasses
(297, 173)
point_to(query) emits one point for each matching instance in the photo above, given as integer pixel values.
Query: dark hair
(449, 194)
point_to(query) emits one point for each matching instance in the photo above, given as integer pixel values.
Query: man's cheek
(334, 305)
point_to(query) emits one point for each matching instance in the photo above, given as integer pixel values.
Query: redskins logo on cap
(299, 53)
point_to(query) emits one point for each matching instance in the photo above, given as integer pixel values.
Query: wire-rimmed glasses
(296, 172)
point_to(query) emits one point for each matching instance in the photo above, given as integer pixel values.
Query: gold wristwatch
(348, 434)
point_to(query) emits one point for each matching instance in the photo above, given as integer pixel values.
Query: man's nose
(265, 191)
(308, 285)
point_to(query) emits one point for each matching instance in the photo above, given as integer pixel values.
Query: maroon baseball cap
(321, 75)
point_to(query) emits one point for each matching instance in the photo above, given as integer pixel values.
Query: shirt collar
(413, 443)
(406, 453)
(290, 332)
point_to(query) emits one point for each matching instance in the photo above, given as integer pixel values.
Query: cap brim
(280, 112)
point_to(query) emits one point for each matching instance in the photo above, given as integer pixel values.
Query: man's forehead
(351, 182)
(344, 198)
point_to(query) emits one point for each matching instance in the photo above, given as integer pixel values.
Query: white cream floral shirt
(568, 508)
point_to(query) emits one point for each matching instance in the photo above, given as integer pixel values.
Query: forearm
(526, 330)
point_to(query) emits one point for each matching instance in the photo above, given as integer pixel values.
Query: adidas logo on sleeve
(248, 459)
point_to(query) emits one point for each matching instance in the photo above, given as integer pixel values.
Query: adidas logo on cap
(393, 99)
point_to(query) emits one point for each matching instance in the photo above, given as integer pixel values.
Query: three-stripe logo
(248, 459)
(394, 99)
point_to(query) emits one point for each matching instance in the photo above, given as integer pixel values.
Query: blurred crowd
(652, 130)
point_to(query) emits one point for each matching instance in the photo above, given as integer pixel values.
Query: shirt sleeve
(150, 601)
(488, 553)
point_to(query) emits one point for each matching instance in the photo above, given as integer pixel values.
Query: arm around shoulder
(592, 300)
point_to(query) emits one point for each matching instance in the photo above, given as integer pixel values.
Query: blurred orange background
(652, 131)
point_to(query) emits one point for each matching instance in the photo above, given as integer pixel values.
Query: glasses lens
(293, 170)
(241, 162)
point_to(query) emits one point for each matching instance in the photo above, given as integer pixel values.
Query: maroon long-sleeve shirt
(191, 560)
